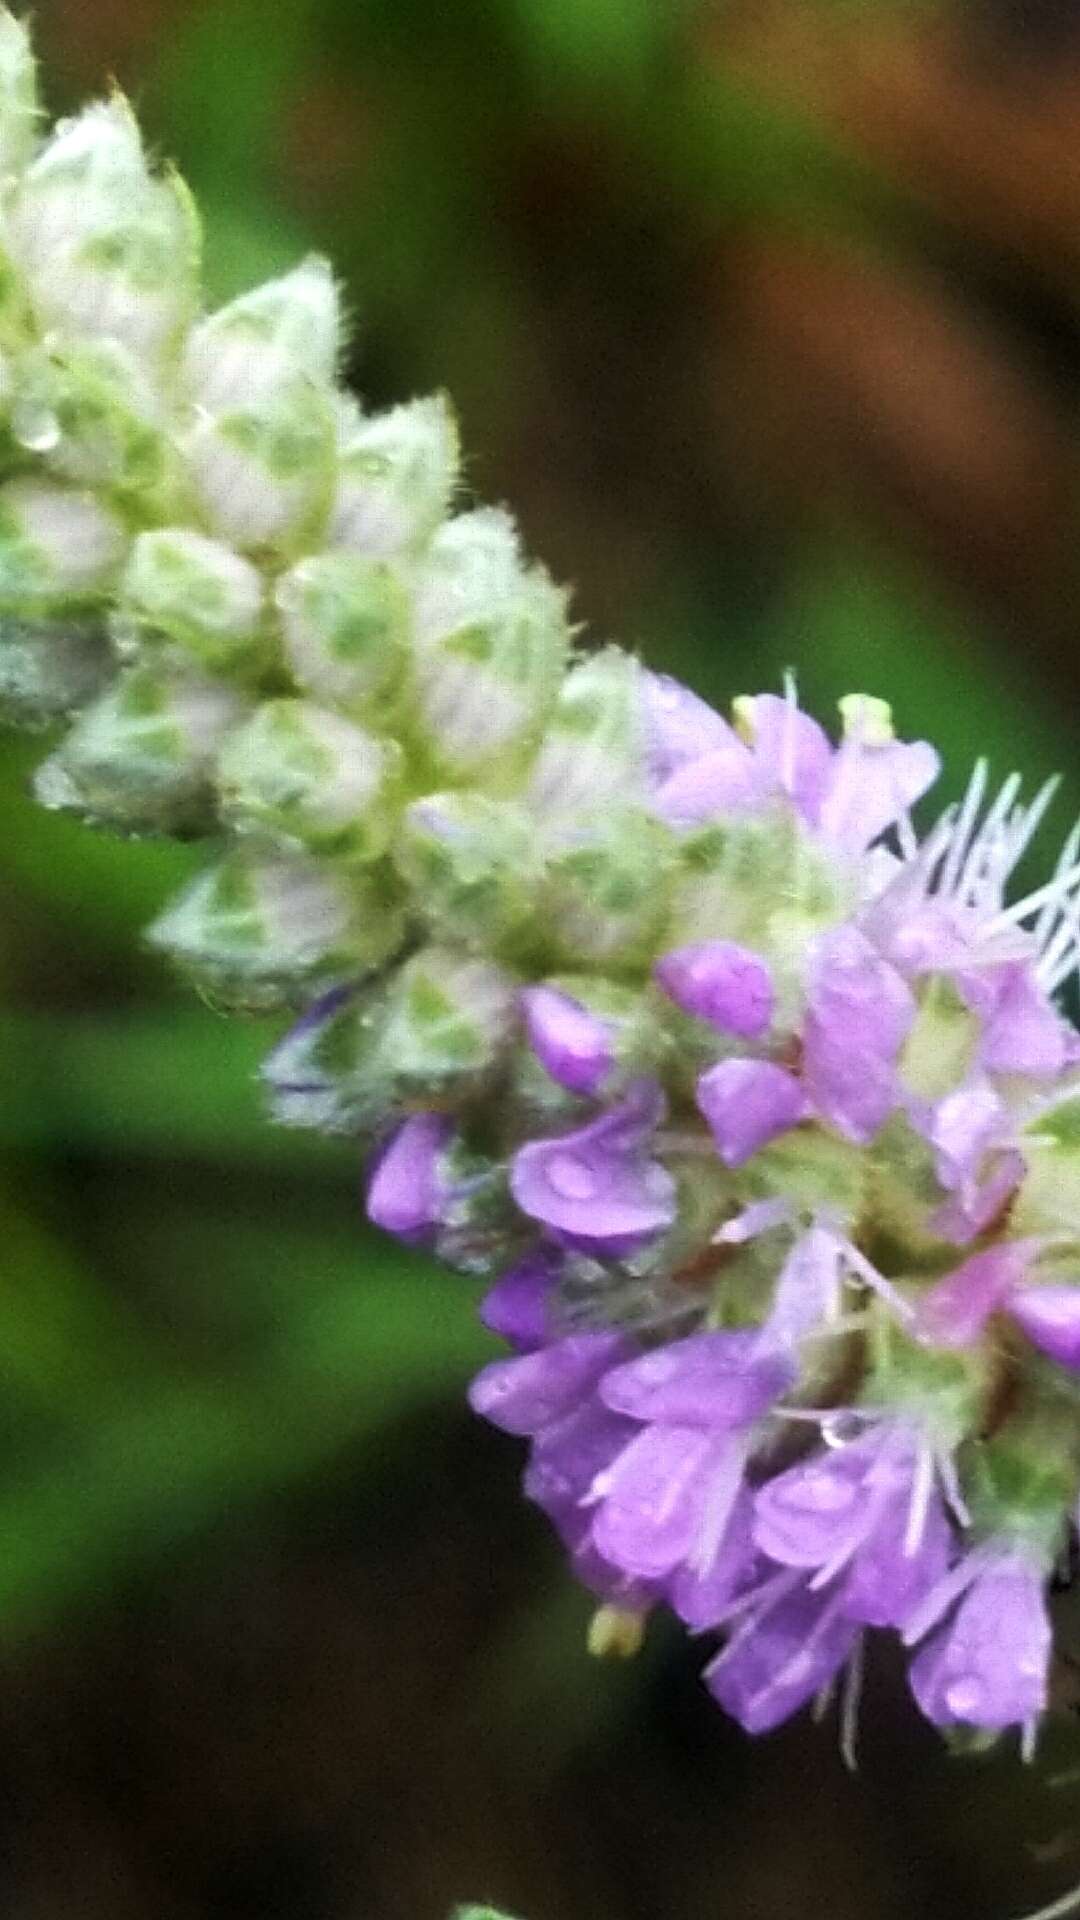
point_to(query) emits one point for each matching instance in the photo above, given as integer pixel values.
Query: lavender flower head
(753, 1101)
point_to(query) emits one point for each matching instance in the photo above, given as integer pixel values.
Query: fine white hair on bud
(140, 758)
(264, 472)
(108, 250)
(19, 109)
(197, 592)
(345, 623)
(58, 546)
(308, 778)
(396, 477)
(248, 350)
(592, 751)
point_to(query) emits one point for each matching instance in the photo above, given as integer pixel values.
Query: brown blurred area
(340, 1711)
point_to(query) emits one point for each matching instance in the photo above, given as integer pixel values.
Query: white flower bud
(491, 645)
(396, 475)
(345, 621)
(142, 756)
(311, 779)
(19, 110)
(473, 868)
(607, 888)
(108, 250)
(264, 473)
(58, 547)
(196, 592)
(592, 752)
(248, 350)
(257, 930)
(49, 669)
(449, 1020)
(89, 411)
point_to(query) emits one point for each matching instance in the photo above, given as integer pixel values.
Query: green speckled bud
(257, 930)
(260, 341)
(141, 757)
(308, 778)
(605, 895)
(345, 621)
(197, 592)
(264, 472)
(474, 866)
(591, 754)
(449, 1021)
(396, 477)
(58, 548)
(48, 669)
(88, 409)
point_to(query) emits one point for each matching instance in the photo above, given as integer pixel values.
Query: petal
(776, 1663)
(807, 1291)
(963, 1127)
(700, 1594)
(679, 726)
(888, 1578)
(597, 1185)
(721, 982)
(871, 785)
(406, 1195)
(987, 1667)
(724, 781)
(792, 751)
(516, 1307)
(1050, 1316)
(571, 1044)
(858, 1015)
(954, 1311)
(1025, 1033)
(525, 1395)
(652, 1499)
(818, 1510)
(747, 1103)
(711, 1380)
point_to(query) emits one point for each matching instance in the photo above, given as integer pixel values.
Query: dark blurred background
(764, 317)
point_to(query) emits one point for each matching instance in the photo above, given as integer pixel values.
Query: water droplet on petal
(35, 426)
(822, 1493)
(838, 1429)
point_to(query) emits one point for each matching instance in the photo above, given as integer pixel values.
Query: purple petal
(987, 1667)
(597, 1187)
(566, 1458)
(525, 1395)
(974, 1207)
(718, 981)
(858, 1015)
(807, 1291)
(889, 1577)
(653, 1497)
(774, 1664)
(721, 782)
(701, 1593)
(963, 1127)
(870, 786)
(679, 726)
(792, 751)
(406, 1194)
(1025, 1033)
(955, 1310)
(571, 1044)
(747, 1103)
(516, 1307)
(712, 1380)
(1050, 1316)
(816, 1511)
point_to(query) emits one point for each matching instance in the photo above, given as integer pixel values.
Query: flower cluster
(756, 1106)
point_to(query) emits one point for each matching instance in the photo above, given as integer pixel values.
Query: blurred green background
(764, 318)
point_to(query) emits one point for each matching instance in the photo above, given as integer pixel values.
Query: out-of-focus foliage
(762, 314)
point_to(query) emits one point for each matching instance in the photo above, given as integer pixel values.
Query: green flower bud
(194, 591)
(311, 779)
(592, 751)
(345, 621)
(141, 758)
(490, 647)
(264, 472)
(257, 930)
(396, 476)
(58, 548)
(474, 868)
(107, 250)
(89, 410)
(18, 96)
(605, 896)
(49, 669)
(250, 349)
(448, 1022)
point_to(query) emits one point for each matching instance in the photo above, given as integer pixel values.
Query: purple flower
(598, 1188)
(955, 1310)
(747, 1103)
(517, 1307)
(408, 1190)
(782, 1653)
(870, 785)
(680, 727)
(1050, 1316)
(1022, 1029)
(858, 1015)
(571, 1044)
(870, 1510)
(792, 754)
(987, 1665)
(718, 981)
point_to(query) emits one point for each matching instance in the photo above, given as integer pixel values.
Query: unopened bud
(607, 889)
(264, 471)
(584, 1038)
(396, 476)
(257, 930)
(592, 752)
(48, 669)
(345, 621)
(108, 250)
(141, 757)
(473, 867)
(249, 350)
(87, 408)
(449, 1020)
(311, 779)
(58, 547)
(194, 591)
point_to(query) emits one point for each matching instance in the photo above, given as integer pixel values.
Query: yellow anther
(866, 719)
(742, 718)
(615, 1633)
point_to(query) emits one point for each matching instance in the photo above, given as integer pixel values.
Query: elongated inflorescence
(755, 1103)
